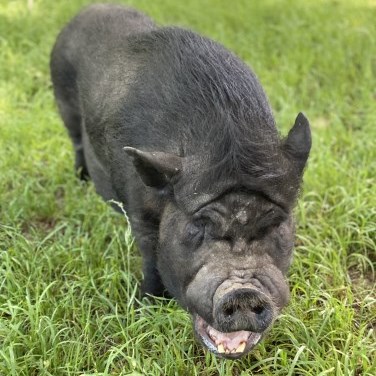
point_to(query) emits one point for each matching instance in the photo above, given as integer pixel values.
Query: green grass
(69, 271)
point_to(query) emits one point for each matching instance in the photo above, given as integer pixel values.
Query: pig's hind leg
(64, 80)
(72, 121)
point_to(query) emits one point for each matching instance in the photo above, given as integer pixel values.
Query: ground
(69, 271)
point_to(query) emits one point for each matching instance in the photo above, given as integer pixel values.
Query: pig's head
(224, 254)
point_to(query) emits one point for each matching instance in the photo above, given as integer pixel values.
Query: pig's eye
(194, 233)
(269, 222)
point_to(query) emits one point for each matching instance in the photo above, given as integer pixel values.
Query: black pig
(179, 130)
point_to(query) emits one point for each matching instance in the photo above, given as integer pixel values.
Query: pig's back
(98, 30)
(163, 89)
(90, 60)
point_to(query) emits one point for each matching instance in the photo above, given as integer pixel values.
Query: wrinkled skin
(240, 241)
(179, 130)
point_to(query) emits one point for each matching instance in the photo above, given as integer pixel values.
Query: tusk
(240, 348)
(221, 349)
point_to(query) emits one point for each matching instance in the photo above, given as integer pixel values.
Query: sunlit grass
(69, 271)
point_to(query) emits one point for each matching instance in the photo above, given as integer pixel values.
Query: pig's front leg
(152, 283)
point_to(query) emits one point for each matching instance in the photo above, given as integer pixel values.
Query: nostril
(258, 309)
(229, 311)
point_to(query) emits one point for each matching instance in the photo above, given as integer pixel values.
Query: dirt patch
(363, 287)
(364, 279)
(43, 224)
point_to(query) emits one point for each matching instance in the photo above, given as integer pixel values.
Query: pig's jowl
(179, 130)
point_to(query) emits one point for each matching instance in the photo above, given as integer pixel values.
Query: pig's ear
(298, 142)
(156, 169)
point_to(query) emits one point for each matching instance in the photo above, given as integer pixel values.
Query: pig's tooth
(240, 348)
(221, 349)
(227, 351)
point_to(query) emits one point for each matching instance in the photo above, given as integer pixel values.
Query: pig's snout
(244, 309)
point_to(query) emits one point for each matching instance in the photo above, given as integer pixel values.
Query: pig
(179, 130)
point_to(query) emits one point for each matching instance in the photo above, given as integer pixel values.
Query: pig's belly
(97, 172)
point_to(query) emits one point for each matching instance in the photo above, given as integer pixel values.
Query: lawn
(69, 271)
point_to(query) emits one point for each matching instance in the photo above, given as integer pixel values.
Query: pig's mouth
(231, 345)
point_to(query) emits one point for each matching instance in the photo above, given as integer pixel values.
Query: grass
(69, 270)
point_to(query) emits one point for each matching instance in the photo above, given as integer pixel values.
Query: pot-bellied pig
(179, 130)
